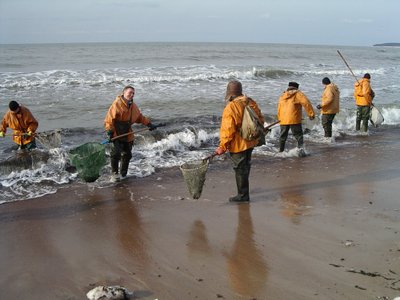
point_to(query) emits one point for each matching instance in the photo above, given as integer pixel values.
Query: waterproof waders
(121, 151)
(362, 115)
(241, 165)
(297, 131)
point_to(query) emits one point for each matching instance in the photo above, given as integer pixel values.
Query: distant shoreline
(388, 44)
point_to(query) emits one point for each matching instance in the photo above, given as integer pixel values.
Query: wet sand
(324, 226)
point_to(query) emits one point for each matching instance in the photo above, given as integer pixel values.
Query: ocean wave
(182, 140)
(272, 73)
(341, 72)
(165, 75)
(95, 78)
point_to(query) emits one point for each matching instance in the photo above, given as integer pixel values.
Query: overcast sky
(335, 22)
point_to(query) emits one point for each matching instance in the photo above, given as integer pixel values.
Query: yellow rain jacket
(290, 107)
(119, 111)
(363, 92)
(330, 100)
(21, 122)
(230, 138)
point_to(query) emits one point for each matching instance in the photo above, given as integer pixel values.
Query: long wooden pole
(351, 71)
(270, 125)
(128, 133)
(132, 132)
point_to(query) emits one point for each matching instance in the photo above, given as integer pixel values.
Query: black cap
(366, 75)
(326, 80)
(294, 84)
(13, 105)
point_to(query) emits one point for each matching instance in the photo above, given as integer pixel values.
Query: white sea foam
(174, 83)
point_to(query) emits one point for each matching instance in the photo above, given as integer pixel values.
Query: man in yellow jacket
(21, 120)
(290, 114)
(240, 150)
(122, 113)
(363, 95)
(329, 105)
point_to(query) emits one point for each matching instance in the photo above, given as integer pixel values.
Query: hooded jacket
(230, 138)
(121, 112)
(330, 99)
(363, 93)
(290, 107)
(21, 122)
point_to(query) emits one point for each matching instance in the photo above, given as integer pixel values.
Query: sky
(335, 22)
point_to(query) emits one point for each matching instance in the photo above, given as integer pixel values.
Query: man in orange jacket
(122, 113)
(21, 120)
(329, 105)
(363, 95)
(290, 114)
(240, 150)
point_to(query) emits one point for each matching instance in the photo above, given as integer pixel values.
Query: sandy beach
(325, 226)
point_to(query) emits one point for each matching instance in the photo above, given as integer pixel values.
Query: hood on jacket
(290, 93)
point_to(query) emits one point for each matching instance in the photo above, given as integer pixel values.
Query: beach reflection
(247, 268)
(294, 205)
(198, 241)
(129, 231)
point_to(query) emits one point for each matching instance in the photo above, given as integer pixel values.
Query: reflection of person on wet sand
(198, 242)
(246, 267)
(130, 233)
(294, 205)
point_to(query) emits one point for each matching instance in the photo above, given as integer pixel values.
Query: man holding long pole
(363, 95)
(122, 113)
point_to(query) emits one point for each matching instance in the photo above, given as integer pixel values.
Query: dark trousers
(297, 131)
(241, 166)
(120, 151)
(327, 120)
(362, 115)
(30, 146)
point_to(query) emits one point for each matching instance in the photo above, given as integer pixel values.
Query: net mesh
(88, 159)
(49, 140)
(194, 174)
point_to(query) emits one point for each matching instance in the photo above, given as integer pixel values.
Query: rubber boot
(242, 183)
(124, 166)
(364, 127)
(281, 146)
(328, 131)
(114, 165)
(358, 123)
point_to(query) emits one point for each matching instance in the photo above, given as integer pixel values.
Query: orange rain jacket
(330, 99)
(363, 92)
(21, 122)
(290, 107)
(120, 112)
(230, 138)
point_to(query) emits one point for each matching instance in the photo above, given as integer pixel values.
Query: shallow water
(70, 87)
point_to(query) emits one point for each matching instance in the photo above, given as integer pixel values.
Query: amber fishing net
(194, 174)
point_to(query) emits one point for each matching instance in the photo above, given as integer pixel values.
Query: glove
(319, 106)
(109, 135)
(151, 126)
(219, 151)
(1, 134)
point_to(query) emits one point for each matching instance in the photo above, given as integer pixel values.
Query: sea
(69, 88)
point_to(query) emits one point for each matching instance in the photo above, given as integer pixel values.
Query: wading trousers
(120, 151)
(297, 131)
(327, 120)
(241, 166)
(362, 115)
